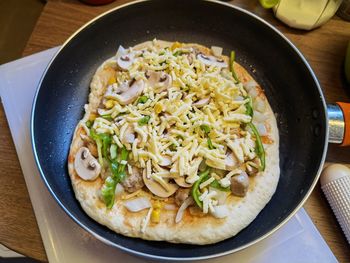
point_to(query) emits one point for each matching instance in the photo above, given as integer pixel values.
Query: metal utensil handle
(339, 123)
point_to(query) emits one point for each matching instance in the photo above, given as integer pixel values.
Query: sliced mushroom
(175, 168)
(114, 90)
(230, 161)
(90, 144)
(127, 92)
(165, 161)
(133, 181)
(159, 190)
(211, 61)
(181, 182)
(124, 59)
(193, 171)
(86, 166)
(252, 167)
(158, 79)
(240, 184)
(181, 195)
(123, 87)
(92, 148)
(202, 102)
(190, 58)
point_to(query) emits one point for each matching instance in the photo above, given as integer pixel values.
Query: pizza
(178, 143)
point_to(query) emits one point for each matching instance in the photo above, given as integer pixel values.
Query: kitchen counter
(324, 48)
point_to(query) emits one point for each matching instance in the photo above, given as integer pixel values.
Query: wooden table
(324, 48)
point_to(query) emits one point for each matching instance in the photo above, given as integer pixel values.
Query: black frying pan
(289, 83)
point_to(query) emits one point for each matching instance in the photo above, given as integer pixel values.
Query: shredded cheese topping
(186, 112)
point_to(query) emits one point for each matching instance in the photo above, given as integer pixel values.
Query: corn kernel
(175, 45)
(157, 205)
(111, 80)
(109, 104)
(155, 216)
(92, 116)
(158, 107)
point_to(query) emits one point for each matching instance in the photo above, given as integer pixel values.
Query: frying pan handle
(339, 123)
(345, 107)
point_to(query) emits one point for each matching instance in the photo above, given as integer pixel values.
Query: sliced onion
(170, 207)
(211, 61)
(253, 92)
(129, 138)
(261, 129)
(104, 112)
(250, 84)
(259, 105)
(137, 204)
(259, 117)
(220, 211)
(217, 51)
(119, 190)
(165, 161)
(221, 196)
(239, 98)
(121, 51)
(180, 212)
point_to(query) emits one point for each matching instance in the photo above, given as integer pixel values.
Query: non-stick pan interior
(289, 84)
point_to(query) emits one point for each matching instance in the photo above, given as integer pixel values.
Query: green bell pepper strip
(249, 107)
(195, 189)
(177, 53)
(108, 117)
(210, 144)
(89, 124)
(232, 62)
(107, 191)
(103, 142)
(113, 151)
(172, 147)
(206, 129)
(98, 141)
(106, 142)
(217, 185)
(142, 99)
(118, 175)
(259, 149)
(144, 120)
(117, 168)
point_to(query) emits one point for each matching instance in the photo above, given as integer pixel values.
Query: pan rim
(148, 255)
